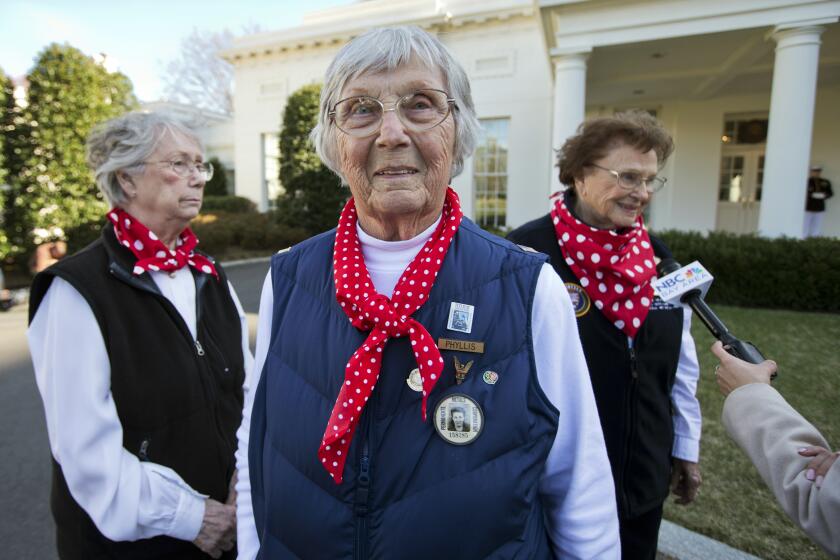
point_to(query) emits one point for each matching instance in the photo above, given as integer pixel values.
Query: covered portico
(738, 84)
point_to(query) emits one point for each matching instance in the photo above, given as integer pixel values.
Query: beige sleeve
(770, 432)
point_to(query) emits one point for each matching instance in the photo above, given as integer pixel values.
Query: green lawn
(734, 506)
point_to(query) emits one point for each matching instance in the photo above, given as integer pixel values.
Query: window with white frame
(490, 173)
(271, 169)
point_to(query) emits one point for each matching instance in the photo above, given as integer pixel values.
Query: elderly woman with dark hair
(639, 350)
(361, 362)
(140, 349)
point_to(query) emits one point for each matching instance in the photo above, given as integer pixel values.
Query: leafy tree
(199, 76)
(53, 190)
(7, 103)
(312, 197)
(5, 93)
(217, 186)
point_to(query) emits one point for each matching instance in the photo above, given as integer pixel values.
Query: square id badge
(460, 317)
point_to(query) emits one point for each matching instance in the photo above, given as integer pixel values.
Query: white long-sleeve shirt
(127, 499)
(576, 484)
(687, 417)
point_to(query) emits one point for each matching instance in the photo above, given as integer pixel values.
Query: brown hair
(595, 137)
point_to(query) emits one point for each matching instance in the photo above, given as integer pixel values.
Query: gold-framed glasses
(185, 168)
(420, 110)
(632, 180)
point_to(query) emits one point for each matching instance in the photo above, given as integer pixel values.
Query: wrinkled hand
(733, 372)
(822, 460)
(685, 480)
(218, 528)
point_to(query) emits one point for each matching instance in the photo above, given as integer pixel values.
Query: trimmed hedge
(228, 203)
(752, 271)
(221, 233)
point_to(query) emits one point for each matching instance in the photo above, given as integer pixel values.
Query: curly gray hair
(123, 143)
(387, 49)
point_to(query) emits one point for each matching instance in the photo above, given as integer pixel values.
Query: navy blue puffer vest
(407, 493)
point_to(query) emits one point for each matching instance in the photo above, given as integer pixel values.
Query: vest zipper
(631, 408)
(229, 447)
(198, 348)
(360, 503)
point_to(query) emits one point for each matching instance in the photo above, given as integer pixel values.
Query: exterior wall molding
(570, 26)
(337, 26)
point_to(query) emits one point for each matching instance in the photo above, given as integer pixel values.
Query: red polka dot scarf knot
(385, 318)
(150, 251)
(615, 269)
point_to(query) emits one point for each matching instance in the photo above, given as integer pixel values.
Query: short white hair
(124, 143)
(386, 49)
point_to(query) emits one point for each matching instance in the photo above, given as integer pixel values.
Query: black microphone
(742, 349)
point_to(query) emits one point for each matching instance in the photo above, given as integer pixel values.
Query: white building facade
(750, 90)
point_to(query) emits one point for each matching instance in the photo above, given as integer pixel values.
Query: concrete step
(678, 543)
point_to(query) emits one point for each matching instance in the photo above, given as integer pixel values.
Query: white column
(569, 103)
(789, 135)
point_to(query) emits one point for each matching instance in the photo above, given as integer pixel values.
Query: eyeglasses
(632, 180)
(185, 168)
(420, 110)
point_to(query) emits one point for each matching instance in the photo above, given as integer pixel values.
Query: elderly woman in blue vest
(140, 348)
(639, 350)
(374, 336)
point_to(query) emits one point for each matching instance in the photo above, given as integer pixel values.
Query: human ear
(127, 184)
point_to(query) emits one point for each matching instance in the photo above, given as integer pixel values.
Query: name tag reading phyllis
(474, 346)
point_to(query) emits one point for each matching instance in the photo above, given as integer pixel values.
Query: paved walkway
(678, 543)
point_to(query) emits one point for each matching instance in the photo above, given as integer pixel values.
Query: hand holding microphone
(689, 284)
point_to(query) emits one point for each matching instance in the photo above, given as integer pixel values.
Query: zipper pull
(632, 350)
(144, 449)
(362, 486)
(364, 471)
(198, 348)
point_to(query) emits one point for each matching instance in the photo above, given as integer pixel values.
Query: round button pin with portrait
(414, 380)
(458, 419)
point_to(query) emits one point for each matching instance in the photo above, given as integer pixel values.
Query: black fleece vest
(632, 387)
(179, 400)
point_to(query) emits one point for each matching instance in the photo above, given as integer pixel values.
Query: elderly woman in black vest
(639, 350)
(415, 373)
(140, 348)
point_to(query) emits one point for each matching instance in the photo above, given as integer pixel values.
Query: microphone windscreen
(666, 266)
(660, 249)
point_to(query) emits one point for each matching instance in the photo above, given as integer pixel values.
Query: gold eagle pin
(461, 370)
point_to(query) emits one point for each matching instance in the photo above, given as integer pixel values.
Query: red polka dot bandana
(615, 269)
(150, 251)
(385, 318)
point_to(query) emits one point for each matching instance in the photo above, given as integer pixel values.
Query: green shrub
(312, 196)
(228, 203)
(223, 234)
(752, 271)
(217, 186)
